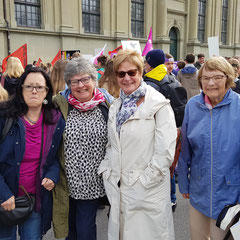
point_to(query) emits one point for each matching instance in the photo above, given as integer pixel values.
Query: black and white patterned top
(85, 148)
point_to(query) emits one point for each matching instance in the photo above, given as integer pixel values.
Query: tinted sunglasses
(131, 73)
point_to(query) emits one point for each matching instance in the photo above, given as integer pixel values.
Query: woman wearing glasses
(209, 166)
(29, 152)
(86, 112)
(141, 146)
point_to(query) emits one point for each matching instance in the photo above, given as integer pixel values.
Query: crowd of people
(121, 134)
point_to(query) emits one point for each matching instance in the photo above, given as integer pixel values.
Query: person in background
(109, 80)
(14, 70)
(35, 134)
(57, 76)
(76, 55)
(235, 64)
(3, 94)
(169, 61)
(141, 144)
(102, 61)
(49, 68)
(188, 77)
(85, 110)
(44, 67)
(209, 166)
(181, 64)
(34, 63)
(201, 59)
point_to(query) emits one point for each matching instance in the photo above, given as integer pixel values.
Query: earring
(45, 101)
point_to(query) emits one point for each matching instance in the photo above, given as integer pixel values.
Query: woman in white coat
(141, 145)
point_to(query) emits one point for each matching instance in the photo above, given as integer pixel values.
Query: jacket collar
(158, 73)
(226, 100)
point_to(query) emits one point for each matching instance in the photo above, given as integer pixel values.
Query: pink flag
(148, 46)
(94, 59)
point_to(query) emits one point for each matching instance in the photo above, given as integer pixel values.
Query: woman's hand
(9, 205)
(186, 195)
(48, 184)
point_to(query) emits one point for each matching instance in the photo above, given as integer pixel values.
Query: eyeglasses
(29, 88)
(84, 81)
(216, 78)
(131, 73)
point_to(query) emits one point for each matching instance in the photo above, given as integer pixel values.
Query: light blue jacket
(209, 163)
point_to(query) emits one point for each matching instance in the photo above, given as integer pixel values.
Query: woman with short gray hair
(86, 113)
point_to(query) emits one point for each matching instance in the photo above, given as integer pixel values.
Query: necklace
(30, 120)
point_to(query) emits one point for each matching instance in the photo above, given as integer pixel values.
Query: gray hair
(77, 66)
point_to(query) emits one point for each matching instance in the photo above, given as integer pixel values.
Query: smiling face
(34, 99)
(129, 83)
(83, 92)
(215, 90)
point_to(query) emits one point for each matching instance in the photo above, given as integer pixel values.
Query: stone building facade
(178, 26)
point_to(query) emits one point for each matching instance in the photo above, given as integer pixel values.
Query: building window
(137, 18)
(224, 22)
(201, 19)
(28, 13)
(91, 16)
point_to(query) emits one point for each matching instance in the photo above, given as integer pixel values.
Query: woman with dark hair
(29, 152)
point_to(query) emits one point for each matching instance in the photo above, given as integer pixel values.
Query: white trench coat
(136, 171)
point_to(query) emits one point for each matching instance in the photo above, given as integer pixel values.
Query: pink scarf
(85, 106)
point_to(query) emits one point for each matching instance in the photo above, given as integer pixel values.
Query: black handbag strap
(6, 128)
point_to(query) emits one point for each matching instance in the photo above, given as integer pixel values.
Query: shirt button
(52, 146)
(16, 142)
(18, 163)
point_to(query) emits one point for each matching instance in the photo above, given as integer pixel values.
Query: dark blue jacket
(11, 154)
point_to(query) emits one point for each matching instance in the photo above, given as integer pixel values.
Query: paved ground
(180, 222)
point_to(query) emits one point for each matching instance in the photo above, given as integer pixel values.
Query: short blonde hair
(14, 67)
(220, 64)
(128, 56)
(3, 94)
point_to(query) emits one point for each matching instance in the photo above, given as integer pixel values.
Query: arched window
(91, 16)
(28, 13)
(137, 18)
(174, 41)
(201, 19)
(224, 22)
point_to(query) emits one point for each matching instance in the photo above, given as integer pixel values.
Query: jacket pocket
(233, 178)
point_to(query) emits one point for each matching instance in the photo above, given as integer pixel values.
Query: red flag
(57, 57)
(20, 53)
(114, 52)
(38, 62)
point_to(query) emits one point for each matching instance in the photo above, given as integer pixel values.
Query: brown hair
(220, 64)
(103, 60)
(129, 56)
(57, 76)
(109, 80)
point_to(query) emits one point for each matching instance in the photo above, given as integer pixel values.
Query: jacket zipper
(211, 167)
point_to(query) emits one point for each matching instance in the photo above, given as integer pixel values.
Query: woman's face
(82, 87)
(214, 85)
(128, 83)
(34, 97)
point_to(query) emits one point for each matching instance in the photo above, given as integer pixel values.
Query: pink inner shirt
(30, 162)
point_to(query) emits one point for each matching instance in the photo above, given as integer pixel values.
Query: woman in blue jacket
(29, 152)
(209, 164)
